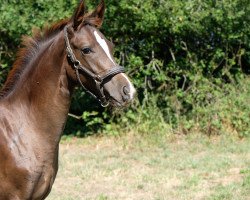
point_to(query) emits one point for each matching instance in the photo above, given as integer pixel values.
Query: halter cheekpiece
(99, 80)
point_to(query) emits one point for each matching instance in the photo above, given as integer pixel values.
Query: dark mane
(30, 46)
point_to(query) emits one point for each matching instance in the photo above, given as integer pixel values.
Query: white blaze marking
(104, 45)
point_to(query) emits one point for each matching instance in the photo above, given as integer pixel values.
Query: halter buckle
(77, 64)
(98, 79)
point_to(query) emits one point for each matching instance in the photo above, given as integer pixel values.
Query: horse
(35, 99)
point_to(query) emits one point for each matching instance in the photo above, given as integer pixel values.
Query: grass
(137, 168)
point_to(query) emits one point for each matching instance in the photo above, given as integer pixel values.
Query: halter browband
(99, 80)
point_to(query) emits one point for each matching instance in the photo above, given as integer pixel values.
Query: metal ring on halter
(99, 80)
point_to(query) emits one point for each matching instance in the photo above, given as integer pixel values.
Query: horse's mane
(30, 46)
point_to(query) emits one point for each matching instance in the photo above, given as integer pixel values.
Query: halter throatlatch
(99, 80)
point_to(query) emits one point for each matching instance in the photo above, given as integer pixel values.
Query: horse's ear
(79, 14)
(97, 16)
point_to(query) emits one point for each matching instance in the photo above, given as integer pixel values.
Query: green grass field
(157, 168)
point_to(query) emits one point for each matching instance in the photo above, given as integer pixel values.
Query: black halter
(99, 80)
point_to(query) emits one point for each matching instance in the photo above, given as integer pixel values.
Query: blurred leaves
(182, 57)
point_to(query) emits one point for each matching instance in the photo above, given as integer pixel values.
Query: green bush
(188, 59)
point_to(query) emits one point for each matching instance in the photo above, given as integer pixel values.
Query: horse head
(90, 58)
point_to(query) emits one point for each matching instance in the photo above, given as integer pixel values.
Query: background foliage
(189, 60)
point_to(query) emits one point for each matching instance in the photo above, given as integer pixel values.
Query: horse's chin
(116, 103)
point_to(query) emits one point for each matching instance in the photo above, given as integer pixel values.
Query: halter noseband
(99, 80)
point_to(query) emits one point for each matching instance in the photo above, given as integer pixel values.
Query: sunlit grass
(180, 167)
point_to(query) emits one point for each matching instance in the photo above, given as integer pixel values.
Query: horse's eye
(86, 50)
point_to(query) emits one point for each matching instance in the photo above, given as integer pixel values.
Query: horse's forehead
(94, 36)
(88, 32)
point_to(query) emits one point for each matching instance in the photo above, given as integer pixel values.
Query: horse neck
(43, 91)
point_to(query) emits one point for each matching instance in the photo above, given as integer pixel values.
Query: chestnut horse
(35, 99)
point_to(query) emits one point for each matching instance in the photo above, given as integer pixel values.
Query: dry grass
(142, 169)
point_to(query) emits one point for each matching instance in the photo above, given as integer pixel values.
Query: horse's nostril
(126, 94)
(126, 90)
